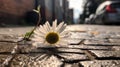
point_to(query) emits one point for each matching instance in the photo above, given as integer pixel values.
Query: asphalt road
(89, 46)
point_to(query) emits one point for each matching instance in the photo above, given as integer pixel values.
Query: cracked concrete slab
(100, 48)
(33, 61)
(101, 63)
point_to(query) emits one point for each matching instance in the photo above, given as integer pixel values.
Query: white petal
(45, 27)
(59, 26)
(37, 32)
(38, 36)
(38, 40)
(41, 29)
(63, 33)
(48, 25)
(54, 25)
(62, 28)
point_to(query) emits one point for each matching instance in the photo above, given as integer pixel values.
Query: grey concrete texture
(89, 46)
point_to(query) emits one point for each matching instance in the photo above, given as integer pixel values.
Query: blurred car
(107, 12)
(90, 20)
(89, 7)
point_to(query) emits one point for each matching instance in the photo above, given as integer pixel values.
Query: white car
(108, 12)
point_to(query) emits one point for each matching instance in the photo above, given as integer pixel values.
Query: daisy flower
(46, 35)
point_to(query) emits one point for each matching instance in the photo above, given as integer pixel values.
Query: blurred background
(20, 12)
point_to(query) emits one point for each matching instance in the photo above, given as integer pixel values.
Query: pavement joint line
(8, 41)
(81, 42)
(93, 49)
(75, 48)
(9, 53)
(74, 61)
(8, 60)
(108, 58)
(101, 45)
(80, 65)
(11, 57)
(91, 38)
(90, 55)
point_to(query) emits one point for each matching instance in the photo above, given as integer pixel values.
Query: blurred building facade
(70, 16)
(54, 9)
(49, 9)
(12, 10)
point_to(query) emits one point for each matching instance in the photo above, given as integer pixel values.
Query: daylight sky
(76, 4)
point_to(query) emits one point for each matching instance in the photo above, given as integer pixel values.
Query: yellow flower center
(52, 38)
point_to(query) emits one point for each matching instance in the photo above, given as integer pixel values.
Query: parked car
(107, 12)
(90, 19)
(89, 7)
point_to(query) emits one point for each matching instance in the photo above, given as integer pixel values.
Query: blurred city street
(22, 30)
(89, 46)
(93, 41)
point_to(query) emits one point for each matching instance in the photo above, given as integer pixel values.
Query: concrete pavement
(90, 46)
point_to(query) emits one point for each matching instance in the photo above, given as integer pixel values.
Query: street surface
(89, 46)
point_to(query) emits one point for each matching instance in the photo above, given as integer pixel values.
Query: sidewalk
(90, 46)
